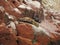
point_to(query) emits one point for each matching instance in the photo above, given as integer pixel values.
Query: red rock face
(11, 6)
(7, 37)
(8, 8)
(24, 41)
(1, 16)
(42, 39)
(25, 30)
(15, 2)
(25, 33)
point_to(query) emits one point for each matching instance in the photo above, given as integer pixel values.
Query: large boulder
(25, 30)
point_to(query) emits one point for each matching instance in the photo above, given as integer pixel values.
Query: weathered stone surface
(47, 33)
(25, 30)
(42, 39)
(7, 37)
(24, 41)
(52, 29)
